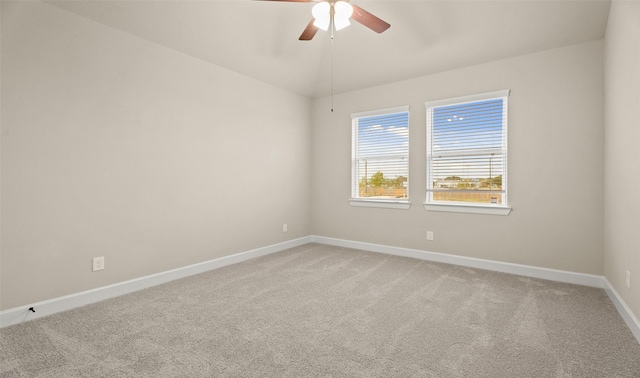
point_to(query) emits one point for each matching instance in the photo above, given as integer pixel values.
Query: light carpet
(323, 311)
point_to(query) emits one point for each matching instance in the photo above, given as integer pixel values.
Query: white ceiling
(259, 39)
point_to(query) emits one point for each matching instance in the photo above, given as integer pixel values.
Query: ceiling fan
(335, 15)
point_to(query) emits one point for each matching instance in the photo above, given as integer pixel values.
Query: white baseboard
(521, 270)
(51, 306)
(623, 309)
(68, 302)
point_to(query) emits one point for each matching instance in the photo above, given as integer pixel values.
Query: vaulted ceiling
(259, 39)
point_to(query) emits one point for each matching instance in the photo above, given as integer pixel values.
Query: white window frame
(356, 200)
(461, 207)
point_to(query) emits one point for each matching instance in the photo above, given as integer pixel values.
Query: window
(380, 158)
(467, 154)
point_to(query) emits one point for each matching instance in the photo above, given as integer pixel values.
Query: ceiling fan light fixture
(337, 14)
(322, 23)
(322, 14)
(343, 12)
(341, 23)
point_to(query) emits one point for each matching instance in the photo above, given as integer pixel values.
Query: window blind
(380, 154)
(467, 150)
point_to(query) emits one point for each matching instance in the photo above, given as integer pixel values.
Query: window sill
(470, 209)
(358, 202)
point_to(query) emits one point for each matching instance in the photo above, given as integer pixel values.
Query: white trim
(51, 306)
(473, 209)
(404, 205)
(398, 109)
(470, 98)
(522, 270)
(623, 309)
(48, 307)
(355, 149)
(497, 266)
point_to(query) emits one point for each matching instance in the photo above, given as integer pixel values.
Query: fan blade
(309, 31)
(369, 20)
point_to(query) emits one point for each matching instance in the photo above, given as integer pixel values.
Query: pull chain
(332, 30)
(332, 71)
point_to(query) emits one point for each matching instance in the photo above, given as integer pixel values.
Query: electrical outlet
(284, 227)
(628, 279)
(429, 235)
(98, 263)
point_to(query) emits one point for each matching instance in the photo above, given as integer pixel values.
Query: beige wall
(117, 147)
(555, 164)
(0, 156)
(113, 146)
(622, 155)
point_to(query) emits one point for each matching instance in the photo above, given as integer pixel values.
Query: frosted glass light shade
(343, 10)
(322, 14)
